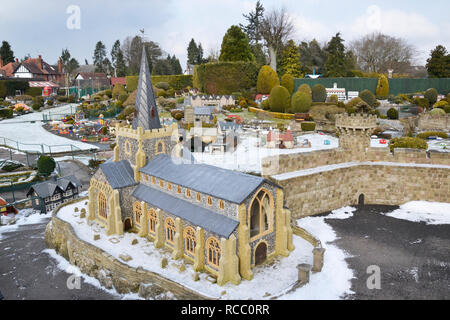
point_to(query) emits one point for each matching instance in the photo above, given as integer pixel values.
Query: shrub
(177, 114)
(267, 79)
(50, 102)
(368, 97)
(301, 102)
(34, 91)
(279, 99)
(162, 85)
(11, 167)
(265, 105)
(437, 112)
(431, 95)
(382, 90)
(6, 113)
(319, 93)
(353, 102)
(447, 109)
(122, 98)
(422, 102)
(180, 100)
(225, 77)
(441, 104)
(131, 82)
(392, 114)
(305, 88)
(118, 90)
(177, 82)
(333, 99)
(162, 93)
(287, 81)
(243, 103)
(425, 135)
(308, 126)
(407, 142)
(46, 165)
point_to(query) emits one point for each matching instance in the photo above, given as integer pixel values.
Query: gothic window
(188, 193)
(260, 213)
(189, 240)
(146, 177)
(152, 220)
(161, 183)
(209, 201)
(102, 209)
(213, 249)
(160, 147)
(127, 147)
(170, 230)
(178, 189)
(198, 197)
(153, 180)
(137, 210)
(221, 205)
(169, 186)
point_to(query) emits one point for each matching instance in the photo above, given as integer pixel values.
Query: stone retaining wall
(93, 261)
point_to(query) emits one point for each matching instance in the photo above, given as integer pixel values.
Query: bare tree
(276, 28)
(377, 52)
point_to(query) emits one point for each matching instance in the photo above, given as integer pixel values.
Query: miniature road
(28, 273)
(414, 258)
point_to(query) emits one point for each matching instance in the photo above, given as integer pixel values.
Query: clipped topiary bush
(437, 112)
(431, 95)
(408, 142)
(287, 81)
(279, 99)
(162, 85)
(46, 165)
(392, 114)
(382, 90)
(368, 97)
(333, 99)
(306, 89)
(422, 102)
(447, 109)
(441, 104)
(426, 134)
(301, 102)
(265, 105)
(118, 90)
(267, 79)
(353, 102)
(319, 93)
(308, 126)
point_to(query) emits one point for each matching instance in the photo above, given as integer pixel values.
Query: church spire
(146, 113)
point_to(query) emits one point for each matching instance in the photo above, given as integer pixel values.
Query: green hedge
(9, 87)
(34, 92)
(177, 82)
(225, 77)
(308, 126)
(408, 142)
(424, 135)
(6, 113)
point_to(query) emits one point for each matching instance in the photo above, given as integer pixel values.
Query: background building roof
(119, 174)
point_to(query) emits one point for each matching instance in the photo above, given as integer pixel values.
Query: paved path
(414, 258)
(28, 273)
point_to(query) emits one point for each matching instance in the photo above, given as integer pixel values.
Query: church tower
(146, 112)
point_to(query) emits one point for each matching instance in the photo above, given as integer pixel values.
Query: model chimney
(40, 64)
(60, 66)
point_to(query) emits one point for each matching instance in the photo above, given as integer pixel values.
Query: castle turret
(146, 112)
(355, 131)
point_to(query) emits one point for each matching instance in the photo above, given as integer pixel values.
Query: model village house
(223, 222)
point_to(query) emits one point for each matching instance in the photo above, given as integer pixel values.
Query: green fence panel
(396, 86)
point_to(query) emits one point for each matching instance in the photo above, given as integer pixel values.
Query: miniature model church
(223, 222)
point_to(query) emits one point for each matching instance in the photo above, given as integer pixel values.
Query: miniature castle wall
(430, 122)
(337, 177)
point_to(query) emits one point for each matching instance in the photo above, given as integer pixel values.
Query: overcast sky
(40, 26)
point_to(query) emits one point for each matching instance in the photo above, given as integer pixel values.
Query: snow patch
(434, 213)
(25, 217)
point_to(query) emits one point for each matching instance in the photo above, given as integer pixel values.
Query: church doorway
(260, 253)
(361, 200)
(127, 224)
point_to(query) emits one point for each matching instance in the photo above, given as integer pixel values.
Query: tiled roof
(197, 215)
(47, 188)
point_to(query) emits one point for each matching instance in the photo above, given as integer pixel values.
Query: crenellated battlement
(138, 133)
(356, 121)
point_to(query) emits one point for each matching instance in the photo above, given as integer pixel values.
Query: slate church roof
(220, 183)
(118, 174)
(146, 110)
(198, 216)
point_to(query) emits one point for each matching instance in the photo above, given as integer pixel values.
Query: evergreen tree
(176, 66)
(120, 67)
(6, 53)
(99, 57)
(192, 52)
(235, 46)
(336, 62)
(290, 60)
(86, 62)
(114, 54)
(438, 65)
(312, 55)
(252, 29)
(199, 59)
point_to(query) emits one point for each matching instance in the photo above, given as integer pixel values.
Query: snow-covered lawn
(248, 155)
(24, 217)
(271, 280)
(31, 135)
(423, 211)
